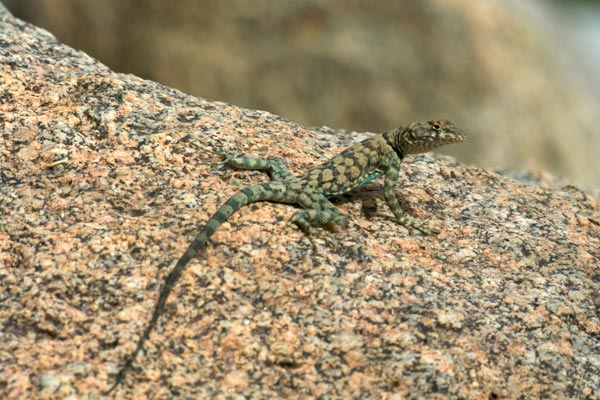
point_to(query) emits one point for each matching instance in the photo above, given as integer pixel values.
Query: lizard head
(423, 136)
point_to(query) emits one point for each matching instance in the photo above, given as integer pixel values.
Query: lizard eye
(436, 126)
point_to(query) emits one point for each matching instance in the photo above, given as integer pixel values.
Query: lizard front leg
(391, 177)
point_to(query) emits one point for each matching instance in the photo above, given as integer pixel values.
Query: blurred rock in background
(507, 71)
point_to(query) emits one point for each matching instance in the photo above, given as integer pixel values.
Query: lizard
(358, 164)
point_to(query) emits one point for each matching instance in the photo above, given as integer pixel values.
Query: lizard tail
(259, 192)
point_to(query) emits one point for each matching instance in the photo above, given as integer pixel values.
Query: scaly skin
(355, 166)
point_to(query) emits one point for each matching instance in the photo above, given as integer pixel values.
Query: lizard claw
(416, 225)
(425, 229)
(225, 160)
(302, 223)
(430, 231)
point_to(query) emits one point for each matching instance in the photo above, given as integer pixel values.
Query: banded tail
(259, 192)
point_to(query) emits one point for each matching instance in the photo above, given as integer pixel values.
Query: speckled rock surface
(101, 190)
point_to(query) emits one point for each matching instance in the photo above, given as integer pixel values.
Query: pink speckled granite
(101, 190)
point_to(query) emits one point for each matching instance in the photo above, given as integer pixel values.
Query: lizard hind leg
(318, 211)
(276, 169)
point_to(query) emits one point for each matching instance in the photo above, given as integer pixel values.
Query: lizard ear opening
(412, 135)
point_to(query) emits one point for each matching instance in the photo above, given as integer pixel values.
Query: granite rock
(102, 186)
(505, 69)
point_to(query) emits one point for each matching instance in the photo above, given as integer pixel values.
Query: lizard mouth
(460, 135)
(455, 137)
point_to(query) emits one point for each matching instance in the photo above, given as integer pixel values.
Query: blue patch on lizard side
(370, 177)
